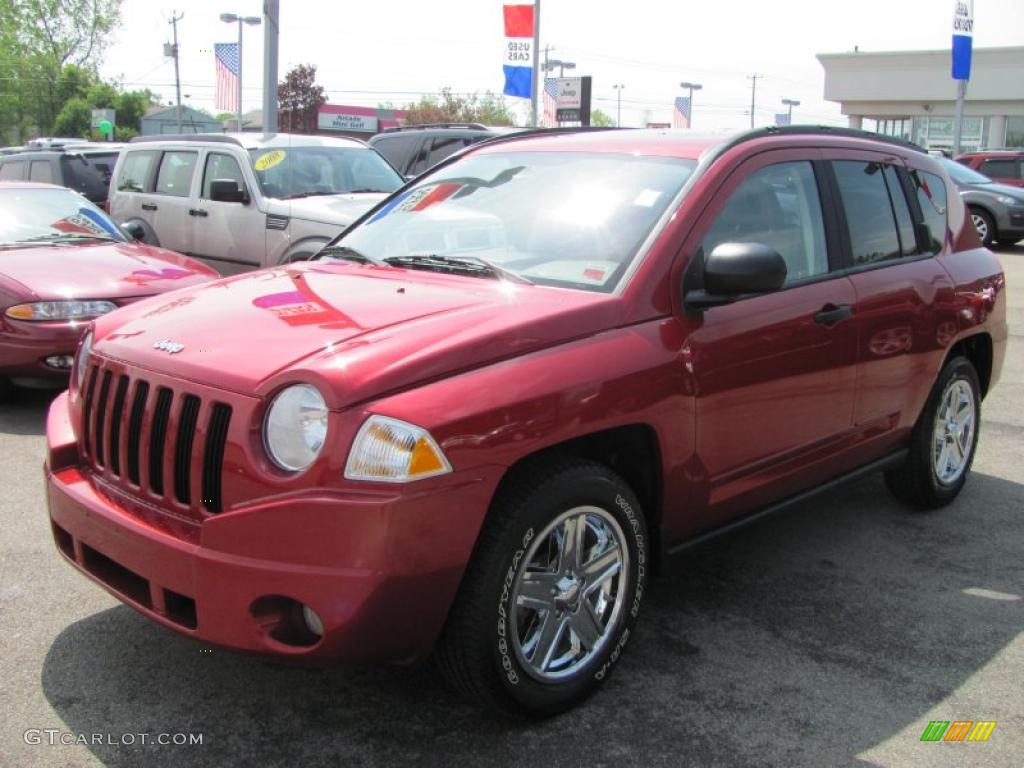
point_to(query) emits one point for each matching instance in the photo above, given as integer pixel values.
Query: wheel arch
(978, 349)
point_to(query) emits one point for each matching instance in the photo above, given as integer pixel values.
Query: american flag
(681, 112)
(550, 118)
(227, 76)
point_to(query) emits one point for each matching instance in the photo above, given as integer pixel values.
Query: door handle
(149, 206)
(831, 314)
(197, 212)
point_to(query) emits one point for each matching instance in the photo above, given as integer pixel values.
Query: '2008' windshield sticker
(269, 159)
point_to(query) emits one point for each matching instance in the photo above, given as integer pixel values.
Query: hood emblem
(169, 346)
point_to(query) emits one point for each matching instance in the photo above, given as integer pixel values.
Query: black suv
(83, 168)
(415, 148)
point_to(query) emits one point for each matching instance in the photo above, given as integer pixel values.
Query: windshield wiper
(362, 190)
(345, 253)
(297, 195)
(56, 237)
(474, 265)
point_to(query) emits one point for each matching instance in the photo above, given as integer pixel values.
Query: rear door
(174, 195)
(903, 295)
(773, 372)
(132, 196)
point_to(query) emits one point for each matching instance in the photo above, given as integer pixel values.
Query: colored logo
(958, 730)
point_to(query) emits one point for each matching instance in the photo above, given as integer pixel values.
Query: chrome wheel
(981, 225)
(568, 593)
(953, 434)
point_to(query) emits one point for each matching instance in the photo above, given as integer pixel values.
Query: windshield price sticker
(269, 159)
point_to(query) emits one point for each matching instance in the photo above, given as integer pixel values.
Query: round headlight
(296, 427)
(83, 360)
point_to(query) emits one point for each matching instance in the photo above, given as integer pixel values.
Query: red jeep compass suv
(512, 391)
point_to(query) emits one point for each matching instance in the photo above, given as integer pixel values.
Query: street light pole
(272, 15)
(791, 103)
(618, 115)
(691, 87)
(231, 18)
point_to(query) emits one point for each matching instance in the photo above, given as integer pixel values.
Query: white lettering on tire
(506, 590)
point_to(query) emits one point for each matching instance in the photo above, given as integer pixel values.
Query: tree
(222, 116)
(66, 31)
(74, 119)
(600, 119)
(299, 99)
(489, 109)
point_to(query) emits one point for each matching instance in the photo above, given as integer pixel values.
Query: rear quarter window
(397, 150)
(931, 196)
(90, 174)
(136, 171)
(12, 170)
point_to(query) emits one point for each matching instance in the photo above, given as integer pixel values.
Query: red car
(63, 262)
(1005, 166)
(517, 388)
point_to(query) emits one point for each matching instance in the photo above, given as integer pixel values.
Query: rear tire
(944, 440)
(6, 389)
(984, 224)
(539, 623)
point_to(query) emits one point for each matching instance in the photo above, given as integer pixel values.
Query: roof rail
(821, 130)
(220, 138)
(470, 126)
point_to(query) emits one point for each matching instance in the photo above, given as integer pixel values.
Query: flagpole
(239, 74)
(536, 63)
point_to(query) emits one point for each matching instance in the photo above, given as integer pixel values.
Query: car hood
(99, 271)
(330, 209)
(997, 189)
(356, 331)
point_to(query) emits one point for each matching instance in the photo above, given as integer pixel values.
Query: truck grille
(154, 441)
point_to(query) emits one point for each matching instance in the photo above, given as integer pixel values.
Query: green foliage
(222, 116)
(490, 109)
(74, 119)
(600, 119)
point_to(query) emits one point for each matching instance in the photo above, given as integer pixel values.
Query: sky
(394, 51)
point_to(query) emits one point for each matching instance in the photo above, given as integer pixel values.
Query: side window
(12, 170)
(136, 170)
(41, 170)
(419, 163)
(869, 214)
(904, 221)
(220, 166)
(443, 146)
(931, 196)
(397, 150)
(777, 206)
(175, 175)
(1000, 168)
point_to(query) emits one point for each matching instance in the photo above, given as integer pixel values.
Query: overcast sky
(395, 50)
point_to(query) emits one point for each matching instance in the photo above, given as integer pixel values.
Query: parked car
(1005, 166)
(63, 262)
(415, 148)
(487, 413)
(997, 210)
(241, 201)
(85, 168)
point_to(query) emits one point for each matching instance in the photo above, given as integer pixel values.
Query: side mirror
(227, 191)
(134, 230)
(735, 269)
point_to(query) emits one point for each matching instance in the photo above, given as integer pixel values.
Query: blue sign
(963, 35)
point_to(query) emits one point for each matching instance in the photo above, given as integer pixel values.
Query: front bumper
(23, 353)
(400, 559)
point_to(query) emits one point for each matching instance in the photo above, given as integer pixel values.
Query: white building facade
(912, 94)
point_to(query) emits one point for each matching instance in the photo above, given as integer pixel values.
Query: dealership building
(911, 94)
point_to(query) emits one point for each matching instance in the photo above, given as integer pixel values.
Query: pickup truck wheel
(943, 442)
(985, 225)
(551, 593)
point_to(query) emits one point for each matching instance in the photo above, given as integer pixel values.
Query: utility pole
(618, 98)
(174, 52)
(271, 17)
(753, 95)
(536, 63)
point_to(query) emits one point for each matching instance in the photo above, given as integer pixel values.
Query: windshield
(569, 219)
(51, 215)
(290, 172)
(961, 174)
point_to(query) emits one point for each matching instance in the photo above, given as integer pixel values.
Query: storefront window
(1015, 132)
(937, 133)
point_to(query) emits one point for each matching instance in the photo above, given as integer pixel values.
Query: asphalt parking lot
(828, 636)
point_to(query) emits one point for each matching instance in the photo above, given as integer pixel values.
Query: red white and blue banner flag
(227, 76)
(519, 53)
(681, 112)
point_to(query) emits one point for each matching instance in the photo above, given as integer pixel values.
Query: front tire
(944, 440)
(551, 594)
(985, 225)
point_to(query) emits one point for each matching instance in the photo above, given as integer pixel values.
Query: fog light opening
(60, 362)
(313, 623)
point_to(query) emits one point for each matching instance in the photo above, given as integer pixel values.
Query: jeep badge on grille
(168, 346)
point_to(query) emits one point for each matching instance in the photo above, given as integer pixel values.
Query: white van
(245, 200)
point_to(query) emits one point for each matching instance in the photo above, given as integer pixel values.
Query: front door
(229, 236)
(773, 374)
